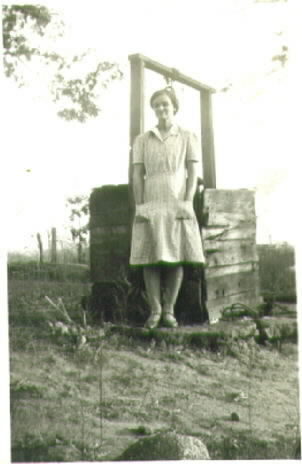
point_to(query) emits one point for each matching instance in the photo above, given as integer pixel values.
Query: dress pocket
(141, 214)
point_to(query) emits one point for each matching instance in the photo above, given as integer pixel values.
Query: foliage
(243, 445)
(19, 22)
(23, 25)
(79, 209)
(16, 16)
(22, 389)
(238, 310)
(84, 91)
(276, 271)
(79, 206)
(281, 56)
(28, 307)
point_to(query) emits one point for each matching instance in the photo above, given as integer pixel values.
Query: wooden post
(207, 140)
(40, 245)
(136, 103)
(80, 252)
(53, 256)
(136, 117)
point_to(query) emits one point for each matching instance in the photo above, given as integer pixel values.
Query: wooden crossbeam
(171, 73)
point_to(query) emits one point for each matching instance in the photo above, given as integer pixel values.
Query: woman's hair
(171, 94)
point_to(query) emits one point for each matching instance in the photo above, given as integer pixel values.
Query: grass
(241, 445)
(32, 270)
(73, 401)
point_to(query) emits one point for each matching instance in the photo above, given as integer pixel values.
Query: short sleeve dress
(165, 228)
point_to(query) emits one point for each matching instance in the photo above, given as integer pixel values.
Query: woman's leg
(152, 284)
(173, 281)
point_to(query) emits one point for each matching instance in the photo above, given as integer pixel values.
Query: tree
(24, 28)
(281, 57)
(15, 43)
(79, 209)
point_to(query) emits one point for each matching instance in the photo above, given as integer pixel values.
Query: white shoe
(169, 320)
(152, 321)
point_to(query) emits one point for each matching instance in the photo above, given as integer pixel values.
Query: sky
(214, 41)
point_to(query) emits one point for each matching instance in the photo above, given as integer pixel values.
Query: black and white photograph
(151, 231)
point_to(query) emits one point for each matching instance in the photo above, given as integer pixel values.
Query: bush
(243, 445)
(277, 277)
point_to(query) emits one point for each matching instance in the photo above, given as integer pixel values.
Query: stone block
(165, 446)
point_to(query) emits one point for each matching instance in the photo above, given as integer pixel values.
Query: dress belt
(164, 174)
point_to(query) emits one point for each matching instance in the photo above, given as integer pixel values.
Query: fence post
(40, 245)
(53, 256)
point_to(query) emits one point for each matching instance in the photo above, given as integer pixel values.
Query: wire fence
(62, 261)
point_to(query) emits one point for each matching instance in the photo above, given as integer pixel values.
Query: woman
(165, 230)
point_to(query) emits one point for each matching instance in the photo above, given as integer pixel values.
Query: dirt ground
(196, 393)
(89, 402)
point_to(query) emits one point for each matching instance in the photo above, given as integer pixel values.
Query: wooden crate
(229, 239)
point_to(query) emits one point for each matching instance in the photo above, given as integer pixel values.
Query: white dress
(165, 228)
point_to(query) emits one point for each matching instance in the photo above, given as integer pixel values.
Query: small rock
(165, 446)
(141, 430)
(241, 396)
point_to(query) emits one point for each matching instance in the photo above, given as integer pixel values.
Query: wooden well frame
(227, 219)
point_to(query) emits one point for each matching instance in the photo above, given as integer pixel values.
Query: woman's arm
(138, 183)
(191, 180)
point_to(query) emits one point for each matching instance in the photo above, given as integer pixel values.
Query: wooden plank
(207, 140)
(219, 271)
(245, 232)
(216, 307)
(172, 73)
(225, 245)
(231, 257)
(229, 201)
(231, 284)
(229, 252)
(245, 297)
(218, 218)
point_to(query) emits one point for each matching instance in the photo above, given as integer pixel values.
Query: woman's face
(163, 107)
